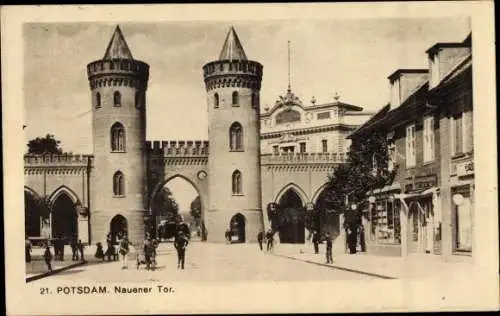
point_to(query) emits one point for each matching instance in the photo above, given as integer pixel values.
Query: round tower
(233, 84)
(118, 84)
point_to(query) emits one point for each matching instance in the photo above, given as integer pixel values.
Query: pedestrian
(260, 237)
(148, 250)
(74, 249)
(270, 240)
(362, 241)
(228, 236)
(80, 247)
(47, 256)
(27, 249)
(315, 240)
(124, 249)
(99, 254)
(180, 245)
(351, 239)
(329, 245)
(62, 244)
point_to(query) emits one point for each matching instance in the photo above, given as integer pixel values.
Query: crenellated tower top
(118, 67)
(232, 69)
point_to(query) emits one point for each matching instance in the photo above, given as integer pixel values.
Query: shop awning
(388, 188)
(418, 193)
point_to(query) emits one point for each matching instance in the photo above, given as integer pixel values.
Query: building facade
(237, 173)
(428, 206)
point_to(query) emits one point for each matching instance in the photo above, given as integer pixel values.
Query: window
(117, 98)
(216, 100)
(391, 148)
(463, 225)
(236, 98)
(255, 100)
(118, 184)
(385, 222)
(276, 150)
(236, 183)
(324, 145)
(429, 139)
(97, 100)
(287, 116)
(288, 149)
(236, 137)
(323, 115)
(302, 147)
(410, 146)
(117, 138)
(457, 139)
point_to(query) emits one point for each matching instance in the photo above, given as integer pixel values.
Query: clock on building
(202, 175)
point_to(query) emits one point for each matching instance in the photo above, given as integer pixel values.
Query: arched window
(117, 137)
(216, 100)
(117, 98)
(255, 100)
(236, 183)
(118, 184)
(236, 98)
(236, 137)
(97, 100)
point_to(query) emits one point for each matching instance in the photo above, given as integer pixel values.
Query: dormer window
(434, 65)
(395, 93)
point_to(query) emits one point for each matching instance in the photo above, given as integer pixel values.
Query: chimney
(443, 57)
(403, 83)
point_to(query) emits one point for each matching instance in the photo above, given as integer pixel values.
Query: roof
(372, 121)
(398, 72)
(232, 48)
(459, 68)
(117, 47)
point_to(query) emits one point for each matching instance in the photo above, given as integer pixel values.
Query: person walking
(362, 241)
(74, 250)
(260, 238)
(315, 240)
(148, 250)
(180, 245)
(99, 253)
(124, 249)
(47, 256)
(270, 240)
(27, 249)
(329, 245)
(80, 247)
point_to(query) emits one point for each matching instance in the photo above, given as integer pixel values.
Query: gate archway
(118, 227)
(328, 220)
(291, 226)
(237, 228)
(64, 217)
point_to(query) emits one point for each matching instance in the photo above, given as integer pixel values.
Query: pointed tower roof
(232, 49)
(117, 47)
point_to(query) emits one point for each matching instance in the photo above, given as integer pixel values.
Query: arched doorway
(327, 219)
(237, 228)
(64, 218)
(118, 227)
(176, 204)
(290, 221)
(32, 214)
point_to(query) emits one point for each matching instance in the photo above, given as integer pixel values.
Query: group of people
(316, 240)
(355, 234)
(269, 239)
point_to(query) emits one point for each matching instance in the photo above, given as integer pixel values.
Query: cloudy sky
(351, 57)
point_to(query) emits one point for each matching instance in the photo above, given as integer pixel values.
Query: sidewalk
(410, 267)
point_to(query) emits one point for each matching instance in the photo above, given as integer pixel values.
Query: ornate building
(281, 155)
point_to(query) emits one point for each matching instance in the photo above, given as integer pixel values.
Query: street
(208, 262)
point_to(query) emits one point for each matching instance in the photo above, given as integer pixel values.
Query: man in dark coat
(47, 256)
(270, 240)
(80, 247)
(27, 249)
(329, 246)
(74, 249)
(260, 238)
(180, 245)
(315, 240)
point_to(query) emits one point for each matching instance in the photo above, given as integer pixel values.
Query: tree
(45, 145)
(164, 205)
(365, 170)
(195, 209)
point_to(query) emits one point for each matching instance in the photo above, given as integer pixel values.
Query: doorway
(237, 228)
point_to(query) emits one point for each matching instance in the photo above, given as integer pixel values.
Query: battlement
(303, 158)
(178, 148)
(57, 160)
(233, 73)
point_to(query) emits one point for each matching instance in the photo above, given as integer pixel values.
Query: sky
(351, 57)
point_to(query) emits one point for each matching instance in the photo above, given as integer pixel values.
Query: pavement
(419, 266)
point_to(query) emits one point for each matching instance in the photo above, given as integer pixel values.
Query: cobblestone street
(207, 262)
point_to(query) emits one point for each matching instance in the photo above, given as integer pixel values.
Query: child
(99, 254)
(48, 257)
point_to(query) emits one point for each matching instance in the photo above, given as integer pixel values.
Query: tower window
(118, 184)
(324, 145)
(255, 100)
(236, 98)
(97, 100)
(216, 100)
(236, 137)
(117, 138)
(117, 98)
(236, 183)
